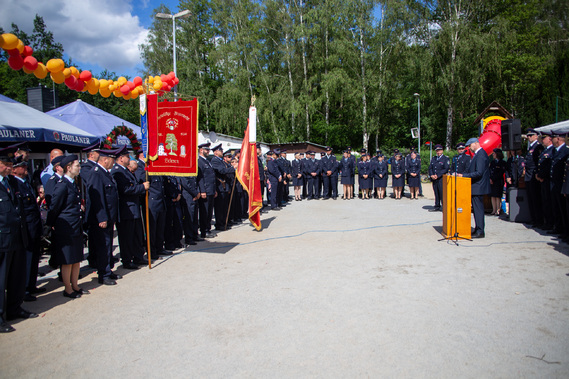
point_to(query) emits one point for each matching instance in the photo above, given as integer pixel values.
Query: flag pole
(148, 228)
(230, 199)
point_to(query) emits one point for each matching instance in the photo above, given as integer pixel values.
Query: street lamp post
(165, 16)
(419, 118)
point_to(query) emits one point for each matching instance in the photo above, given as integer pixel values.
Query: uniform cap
(68, 159)
(218, 147)
(531, 132)
(270, 152)
(545, 134)
(283, 151)
(277, 151)
(395, 151)
(94, 146)
(471, 141)
(328, 148)
(7, 153)
(460, 145)
(227, 154)
(363, 151)
(438, 147)
(111, 153)
(122, 151)
(204, 145)
(19, 162)
(57, 160)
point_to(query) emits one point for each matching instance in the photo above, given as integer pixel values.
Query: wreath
(122, 131)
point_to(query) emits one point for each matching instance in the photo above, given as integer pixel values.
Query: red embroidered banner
(172, 137)
(248, 176)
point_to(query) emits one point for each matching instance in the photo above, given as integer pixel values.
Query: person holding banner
(206, 184)
(223, 187)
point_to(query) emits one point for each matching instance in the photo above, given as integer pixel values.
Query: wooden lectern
(456, 214)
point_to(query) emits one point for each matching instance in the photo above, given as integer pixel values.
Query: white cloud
(99, 32)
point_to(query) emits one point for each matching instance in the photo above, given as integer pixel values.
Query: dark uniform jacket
(65, 213)
(364, 168)
(189, 188)
(140, 172)
(558, 167)
(129, 193)
(461, 163)
(261, 169)
(206, 177)
(311, 166)
(49, 187)
(532, 159)
(413, 167)
(30, 208)
(347, 167)
(104, 197)
(397, 167)
(87, 170)
(156, 194)
(11, 219)
(479, 173)
(222, 172)
(273, 170)
(296, 168)
(439, 166)
(379, 169)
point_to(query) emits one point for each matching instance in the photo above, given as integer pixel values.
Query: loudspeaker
(511, 135)
(519, 207)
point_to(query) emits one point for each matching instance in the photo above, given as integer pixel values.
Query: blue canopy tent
(93, 120)
(21, 123)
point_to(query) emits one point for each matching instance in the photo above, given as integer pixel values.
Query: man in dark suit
(311, 168)
(207, 188)
(479, 173)
(223, 189)
(12, 248)
(33, 227)
(531, 163)
(173, 231)
(542, 174)
(560, 155)
(438, 167)
(103, 214)
(191, 194)
(129, 224)
(50, 183)
(460, 162)
(328, 162)
(274, 174)
(85, 175)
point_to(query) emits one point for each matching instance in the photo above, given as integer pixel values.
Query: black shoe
(130, 266)
(277, 208)
(478, 235)
(200, 239)
(72, 295)
(29, 297)
(81, 291)
(21, 313)
(165, 252)
(191, 243)
(209, 235)
(115, 276)
(5, 327)
(139, 262)
(107, 282)
(37, 290)
(436, 209)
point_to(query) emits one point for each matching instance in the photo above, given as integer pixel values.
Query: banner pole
(230, 200)
(148, 228)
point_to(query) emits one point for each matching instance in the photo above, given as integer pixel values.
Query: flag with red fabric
(248, 176)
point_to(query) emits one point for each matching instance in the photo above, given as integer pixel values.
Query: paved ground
(360, 288)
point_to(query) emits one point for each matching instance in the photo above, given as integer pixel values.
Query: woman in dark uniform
(65, 218)
(497, 171)
(364, 176)
(380, 175)
(347, 170)
(398, 177)
(297, 178)
(414, 170)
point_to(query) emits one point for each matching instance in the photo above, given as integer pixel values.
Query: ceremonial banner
(143, 125)
(172, 137)
(248, 176)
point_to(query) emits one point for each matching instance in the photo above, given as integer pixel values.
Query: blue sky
(96, 34)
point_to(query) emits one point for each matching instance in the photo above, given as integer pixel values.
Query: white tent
(21, 123)
(559, 127)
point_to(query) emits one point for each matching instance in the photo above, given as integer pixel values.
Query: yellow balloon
(57, 77)
(26, 70)
(134, 95)
(92, 90)
(41, 71)
(67, 72)
(117, 93)
(150, 79)
(127, 96)
(105, 92)
(9, 41)
(157, 85)
(75, 72)
(55, 65)
(95, 82)
(122, 80)
(112, 88)
(103, 83)
(20, 46)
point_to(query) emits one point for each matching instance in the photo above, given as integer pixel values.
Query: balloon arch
(122, 131)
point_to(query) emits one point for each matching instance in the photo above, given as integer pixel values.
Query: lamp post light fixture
(419, 118)
(165, 16)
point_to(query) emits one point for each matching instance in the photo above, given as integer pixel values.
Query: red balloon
(171, 74)
(166, 87)
(16, 62)
(85, 75)
(79, 86)
(28, 51)
(13, 52)
(163, 78)
(176, 81)
(30, 63)
(137, 81)
(131, 85)
(125, 89)
(71, 82)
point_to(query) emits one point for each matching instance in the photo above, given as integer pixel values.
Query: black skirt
(67, 249)
(398, 182)
(414, 181)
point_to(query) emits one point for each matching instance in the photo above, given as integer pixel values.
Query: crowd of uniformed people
(85, 202)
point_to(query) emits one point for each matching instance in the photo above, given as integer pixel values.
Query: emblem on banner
(171, 123)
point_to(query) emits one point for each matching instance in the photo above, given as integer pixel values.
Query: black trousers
(33, 255)
(478, 210)
(334, 185)
(534, 201)
(103, 247)
(438, 189)
(190, 223)
(205, 210)
(130, 240)
(221, 205)
(545, 190)
(157, 224)
(312, 187)
(12, 281)
(273, 195)
(326, 180)
(173, 230)
(559, 211)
